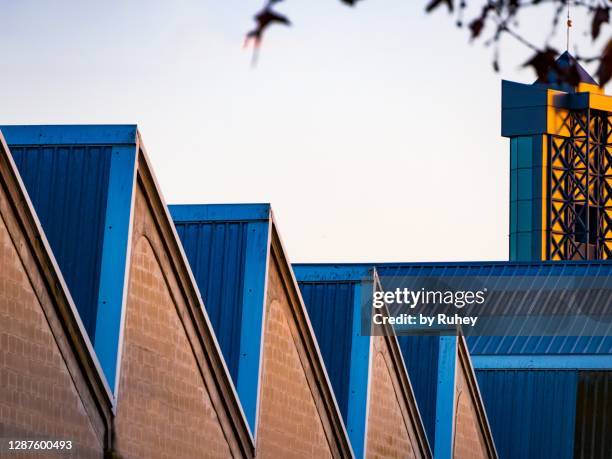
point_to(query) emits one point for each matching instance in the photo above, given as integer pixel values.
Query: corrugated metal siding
(421, 357)
(68, 187)
(512, 344)
(216, 252)
(330, 307)
(531, 413)
(593, 438)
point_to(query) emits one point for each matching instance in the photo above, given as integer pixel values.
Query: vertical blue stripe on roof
(531, 413)
(80, 180)
(251, 332)
(359, 377)
(445, 398)
(227, 248)
(114, 266)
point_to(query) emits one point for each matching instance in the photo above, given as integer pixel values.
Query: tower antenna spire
(569, 26)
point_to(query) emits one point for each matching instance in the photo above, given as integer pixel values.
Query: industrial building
(445, 388)
(544, 396)
(51, 384)
(135, 329)
(247, 284)
(131, 367)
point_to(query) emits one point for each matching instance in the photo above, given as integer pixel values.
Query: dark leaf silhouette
(570, 75)
(350, 2)
(476, 27)
(604, 72)
(600, 16)
(433, 4)
(496, 66)
(542, 62)
(513, 6)
(264, 19)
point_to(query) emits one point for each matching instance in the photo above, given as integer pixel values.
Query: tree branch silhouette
(498, 19)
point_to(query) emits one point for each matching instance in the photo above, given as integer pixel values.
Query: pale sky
(374, 132)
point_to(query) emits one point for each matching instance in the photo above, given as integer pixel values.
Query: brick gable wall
(289, 423)
(38, 397)
(164, 406)
(469, 441)
(389, 431)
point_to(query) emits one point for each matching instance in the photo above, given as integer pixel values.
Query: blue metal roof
(501, 345)
(508, 345)
(227, 249)
(332, 297)
(421, 358)
(531, 413)
(71, 210)
(80, 180)
(330, 308)
(216, 252)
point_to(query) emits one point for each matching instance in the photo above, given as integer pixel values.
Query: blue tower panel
(526, 198)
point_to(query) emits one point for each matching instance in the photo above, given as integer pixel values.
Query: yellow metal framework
(578, 214)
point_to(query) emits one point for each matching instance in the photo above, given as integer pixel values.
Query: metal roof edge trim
(86, 134)
(314, 273)
(542, 362)
(116, 251)
(220, 212)
(411, 264)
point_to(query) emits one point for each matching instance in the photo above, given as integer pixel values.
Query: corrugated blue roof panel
(532, 413)
(334, 296)
(330, 307)
(227, 247)
(505, 345)
(329, 292)
(68, 186)
(80, 179)
(217, 252)
(421, 357)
